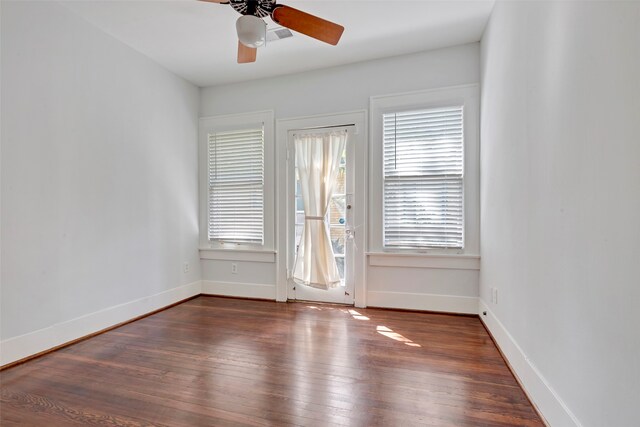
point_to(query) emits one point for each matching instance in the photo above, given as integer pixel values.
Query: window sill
(455, 262)
(251, 255)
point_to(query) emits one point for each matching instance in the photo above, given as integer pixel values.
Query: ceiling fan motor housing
(259, 8)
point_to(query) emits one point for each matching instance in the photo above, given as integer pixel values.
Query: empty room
(320, 213)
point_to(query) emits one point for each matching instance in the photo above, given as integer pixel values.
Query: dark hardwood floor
(230, 362)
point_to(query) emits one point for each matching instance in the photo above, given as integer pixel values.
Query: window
(423, 178)
(237, 177)
(424, 175)
(236, 186)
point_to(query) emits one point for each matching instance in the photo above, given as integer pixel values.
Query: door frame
(340, 294)
(285, 158)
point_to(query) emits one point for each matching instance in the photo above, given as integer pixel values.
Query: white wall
(347, 87)
(342, 89)
(561, 203)
(99, 180)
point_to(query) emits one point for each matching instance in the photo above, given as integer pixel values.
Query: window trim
(237, 122)
(468, 97)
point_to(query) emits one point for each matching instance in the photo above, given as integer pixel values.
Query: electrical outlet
(234, 268)
(494, 295)
(185, 267)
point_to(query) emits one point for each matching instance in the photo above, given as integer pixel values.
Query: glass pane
(300, 217)
(340, 262)
(298, 236)
(337, 210)
(337, 240)
(341, 181)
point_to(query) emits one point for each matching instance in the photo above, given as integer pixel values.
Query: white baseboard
(35, 342)
(427, 302)
(243, 290)
(549, 404)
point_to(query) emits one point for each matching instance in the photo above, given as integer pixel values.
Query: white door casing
(285, 202)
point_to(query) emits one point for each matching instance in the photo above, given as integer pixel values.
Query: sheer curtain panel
(318, 159)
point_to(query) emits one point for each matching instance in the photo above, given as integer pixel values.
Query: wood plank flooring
(229, 362)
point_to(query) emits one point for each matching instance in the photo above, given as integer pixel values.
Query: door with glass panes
(339, 221)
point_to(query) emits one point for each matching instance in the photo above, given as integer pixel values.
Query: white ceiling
(198, 40)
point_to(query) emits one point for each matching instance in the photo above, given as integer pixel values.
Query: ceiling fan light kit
(252, 30)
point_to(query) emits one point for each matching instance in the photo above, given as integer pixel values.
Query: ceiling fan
(252, 28)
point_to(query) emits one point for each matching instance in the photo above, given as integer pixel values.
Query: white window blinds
(423, 178)
(236, 186)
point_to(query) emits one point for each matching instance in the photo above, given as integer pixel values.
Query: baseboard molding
(426, 302)
(243, 290)
(61, 334)
(550, 406)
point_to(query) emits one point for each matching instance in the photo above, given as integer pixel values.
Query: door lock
(350, 234)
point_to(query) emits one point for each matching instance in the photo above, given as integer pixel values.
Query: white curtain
(318, 159)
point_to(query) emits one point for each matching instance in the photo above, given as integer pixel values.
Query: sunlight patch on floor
(383, 330)
(357, 315)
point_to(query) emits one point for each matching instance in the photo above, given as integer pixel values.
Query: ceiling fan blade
(246, 54)
(307, 24)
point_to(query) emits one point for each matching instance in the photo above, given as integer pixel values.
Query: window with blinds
(236, 186)
(423, 178)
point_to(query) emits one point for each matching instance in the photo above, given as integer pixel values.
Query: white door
(339, 219)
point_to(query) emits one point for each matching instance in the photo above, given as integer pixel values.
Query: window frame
(232, 122)
(466, 96)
